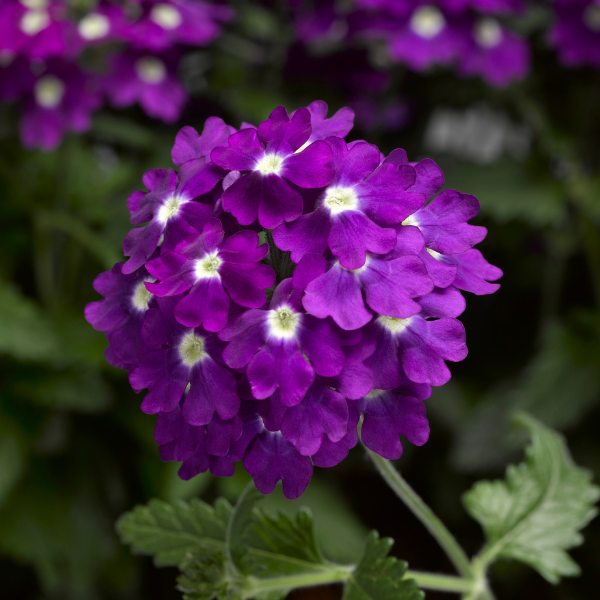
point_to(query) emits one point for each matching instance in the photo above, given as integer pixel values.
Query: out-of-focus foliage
(76, 451)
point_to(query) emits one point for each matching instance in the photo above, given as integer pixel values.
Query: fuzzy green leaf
(379, 576)
(535, 515)
(170, 531)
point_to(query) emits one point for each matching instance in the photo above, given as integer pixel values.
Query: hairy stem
(433, 524)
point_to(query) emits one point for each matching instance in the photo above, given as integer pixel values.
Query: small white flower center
(269, 164)
(34, 4)
(93, 26)
(165, 15)
(339, 198)
(34, 21)
(170, 209)
(433, 253)
(412, 220)
(191, 349)
(49, 91)
(141, 296)
(374, 394)
(283, 322)
(208, 266)
(151, 70)
(394, 324)
(488, 33)
(427, 22)
(591, 17)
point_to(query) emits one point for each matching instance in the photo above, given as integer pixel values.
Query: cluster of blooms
(41, 41)
(271, 352)
(465, 34)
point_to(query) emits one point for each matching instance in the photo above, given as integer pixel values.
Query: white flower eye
(191, 349)
(338, 199)
(151, 70)
(427, 22)
(488, 33)
(269, 164)
(93, 26)
(49, 91)
(394, 324)
(34, 21)
(165, 15)
(283, 322)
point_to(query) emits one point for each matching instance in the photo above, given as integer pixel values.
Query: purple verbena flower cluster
(42, 40)
(469, 35)
(269, 353)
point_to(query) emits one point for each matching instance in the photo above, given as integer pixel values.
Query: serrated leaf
(379, 576)
(204, 575)
(274, 538)
(535, 515)
(170, 531)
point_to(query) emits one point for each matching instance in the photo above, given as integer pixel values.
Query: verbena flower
(270, 165)
(61, 99)
(147, 79)
(164, 23)
(271, 355)
(576, 33)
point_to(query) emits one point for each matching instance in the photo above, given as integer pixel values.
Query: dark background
(75, 450)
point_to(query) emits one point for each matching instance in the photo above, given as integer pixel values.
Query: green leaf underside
(379, 576)
(535, 514)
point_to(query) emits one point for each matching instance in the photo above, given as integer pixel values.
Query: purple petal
(139, 244)
(442, 302)
(222, 433)
(388, 416)
(353, 235)
(283, 136)
(474, 272)
(391, 285)
(308, 169)
(322, 412)
(169, 270)
(321, 345)
(441, 272)
(190, 145)
(280, 365)
(278, 201)
(337, 294)
(271, 458)
(444, 223)
(430, 179)
(246, 334)
(307, 234)
(339, 124)
(426, 344)
(332, 453)
(212, 388)
(206, 304)
(242, 153)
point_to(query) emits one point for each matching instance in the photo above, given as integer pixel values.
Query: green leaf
(379, 576)
(204, 575)
(506, 191)
(239, 525)
(535, 515)
(169, 531)
(25, 333)
(11, 462)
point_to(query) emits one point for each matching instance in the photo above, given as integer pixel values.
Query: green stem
(340, 574)
(440, 583)
(433, 524)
